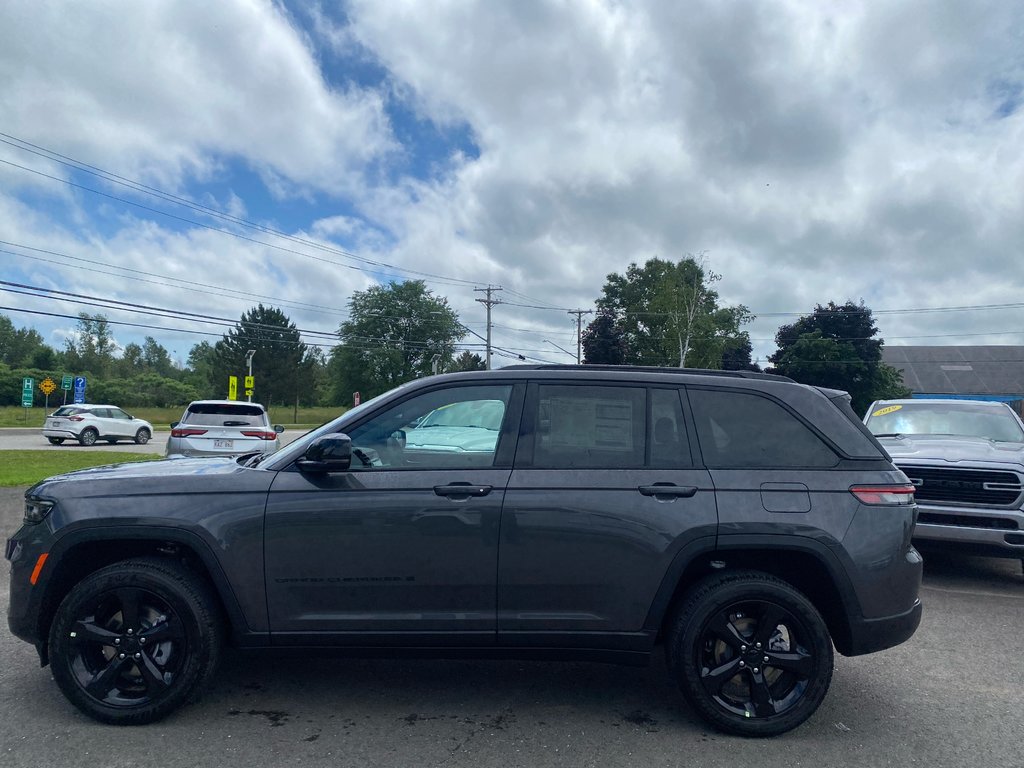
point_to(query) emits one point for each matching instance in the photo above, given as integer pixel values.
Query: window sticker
(887, 409)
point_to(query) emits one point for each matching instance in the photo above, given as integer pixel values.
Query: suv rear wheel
(135, 640)
(750, 653)
(88, 436)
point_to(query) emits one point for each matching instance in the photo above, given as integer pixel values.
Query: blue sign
(79, 389)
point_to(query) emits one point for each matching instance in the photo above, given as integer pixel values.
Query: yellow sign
(232, 387)
(248, 393)
(887, 409)
(250, 383)
(47, 385)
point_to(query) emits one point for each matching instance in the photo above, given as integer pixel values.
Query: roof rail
(649, 369)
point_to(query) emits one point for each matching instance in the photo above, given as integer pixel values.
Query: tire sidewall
(88, 437)
(198, 648)
(716, 595)
(142, 436)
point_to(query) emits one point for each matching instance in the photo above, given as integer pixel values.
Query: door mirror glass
(278, 428)
(328, 453)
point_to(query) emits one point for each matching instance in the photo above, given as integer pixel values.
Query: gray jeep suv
(740, 521)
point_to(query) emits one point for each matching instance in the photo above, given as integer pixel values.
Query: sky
(206, 157)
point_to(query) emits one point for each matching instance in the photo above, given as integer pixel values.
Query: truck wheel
(750, 653)
(135, 640)
(88, 436)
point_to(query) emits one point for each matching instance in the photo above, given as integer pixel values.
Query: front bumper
(993, 532)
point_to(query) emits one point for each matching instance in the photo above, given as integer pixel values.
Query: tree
(395, 333)
(670, 313)
(835, 347)
(156, 358)
(468, 361)
(20, 346)
(93, 348)
(737, 355)
(604, 340)
(279, 353)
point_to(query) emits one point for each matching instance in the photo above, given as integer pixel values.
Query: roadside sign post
(28, 387)
(65, 384)
(47, 385)
(232, 387)
(79, 390)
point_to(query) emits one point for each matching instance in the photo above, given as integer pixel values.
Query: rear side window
(67, 410)
(224, 415)
(590, 427)
(669, 445)
(739, 429)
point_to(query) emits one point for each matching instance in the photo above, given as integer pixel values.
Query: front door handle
(668, 490)
(462, 490)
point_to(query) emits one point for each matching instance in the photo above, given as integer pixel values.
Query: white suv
(89, 423)
(223, 428)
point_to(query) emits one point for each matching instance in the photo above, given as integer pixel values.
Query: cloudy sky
(208, 156)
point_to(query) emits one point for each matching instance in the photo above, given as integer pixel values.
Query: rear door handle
(668, 490)
(462, 490)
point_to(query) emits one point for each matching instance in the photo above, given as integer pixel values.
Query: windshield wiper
(889, 434)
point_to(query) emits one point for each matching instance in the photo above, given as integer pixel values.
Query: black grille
(964, 486)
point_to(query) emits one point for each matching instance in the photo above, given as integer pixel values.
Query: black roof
(978, 370)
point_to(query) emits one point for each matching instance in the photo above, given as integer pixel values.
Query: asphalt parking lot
(951, 696)
(27, 439)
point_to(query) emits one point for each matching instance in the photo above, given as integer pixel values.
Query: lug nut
(743, 648)
(130, 631)
(756, 645)
(142, 640)
(756, 670)
(138, 655)
(117, 641)
(742, 664)
(120, 655)
(765, 659)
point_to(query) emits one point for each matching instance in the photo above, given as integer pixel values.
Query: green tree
(737, 355)
(156, 358)
(836, 347)
(19, 346)
(468, 361)
(279, 352)
(671, 315)
(395, 333)
(604, 340)
(93, 348)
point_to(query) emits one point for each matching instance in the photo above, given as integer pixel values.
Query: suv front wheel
(135, 640)
(750, 653)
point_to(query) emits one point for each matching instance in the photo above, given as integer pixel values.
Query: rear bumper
(67, 434)
(870, 635)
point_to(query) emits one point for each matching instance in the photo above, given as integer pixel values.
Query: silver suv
(89, 423)
(223, 428)
(966, 461)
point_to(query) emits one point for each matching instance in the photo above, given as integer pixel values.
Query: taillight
(261, 434)
(76, 418)
(186, 432)
(884, 494)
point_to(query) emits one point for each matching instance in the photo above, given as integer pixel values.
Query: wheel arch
(90, 551)
(808, 566)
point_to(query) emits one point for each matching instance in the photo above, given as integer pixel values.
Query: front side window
(743, 430)
(117, 413)
(458, 427)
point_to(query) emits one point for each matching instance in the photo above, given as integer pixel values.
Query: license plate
(54, 422)
(223, 443)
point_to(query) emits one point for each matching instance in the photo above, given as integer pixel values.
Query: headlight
(36, 510)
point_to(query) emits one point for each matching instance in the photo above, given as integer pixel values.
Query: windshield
(947, 418)
(486, 414)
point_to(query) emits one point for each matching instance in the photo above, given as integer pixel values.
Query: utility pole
(488, 302)
(579, 330)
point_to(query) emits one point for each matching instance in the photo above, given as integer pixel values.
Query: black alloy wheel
(751, 654)
(135, 640)
(88, 436)
(142, 436)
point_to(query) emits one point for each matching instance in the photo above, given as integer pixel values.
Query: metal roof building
(977, 373)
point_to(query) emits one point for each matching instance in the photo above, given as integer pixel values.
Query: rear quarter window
(745, 430)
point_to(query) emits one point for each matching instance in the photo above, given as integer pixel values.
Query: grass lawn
(161, 418)
(28, 467)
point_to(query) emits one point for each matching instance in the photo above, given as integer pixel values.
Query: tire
(142, 436)
(88, 436)
(95, 649)
(719, 639)
(55, 440)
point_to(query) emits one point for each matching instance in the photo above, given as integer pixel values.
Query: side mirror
(174, 424)
(328, 453)
(279, 428)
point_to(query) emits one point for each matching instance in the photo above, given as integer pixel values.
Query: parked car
(744, 523)
(90, 423)
(966, 461)
(223, 428)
